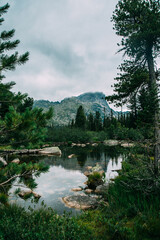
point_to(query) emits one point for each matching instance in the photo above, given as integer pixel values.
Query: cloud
(72, 47)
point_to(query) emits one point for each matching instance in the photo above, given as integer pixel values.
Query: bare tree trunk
(154, 89)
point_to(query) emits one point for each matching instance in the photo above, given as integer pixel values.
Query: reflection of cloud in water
(65, 174)
(58, 179)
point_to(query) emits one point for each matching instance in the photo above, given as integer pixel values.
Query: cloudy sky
(71, 43)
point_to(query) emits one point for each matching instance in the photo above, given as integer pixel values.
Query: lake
(65, 174)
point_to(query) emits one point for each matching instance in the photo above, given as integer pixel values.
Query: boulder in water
(80, 202)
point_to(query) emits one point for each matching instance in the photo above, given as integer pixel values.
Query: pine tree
(19, 122)
(80, 120)
(138, 22)
(90, 122)
(98, 121)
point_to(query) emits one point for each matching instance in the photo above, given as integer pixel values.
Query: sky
(72, 47)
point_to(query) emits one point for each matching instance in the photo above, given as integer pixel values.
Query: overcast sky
(72, 46)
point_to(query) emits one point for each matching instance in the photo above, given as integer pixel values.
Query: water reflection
(65, 174)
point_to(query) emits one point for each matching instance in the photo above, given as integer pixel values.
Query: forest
(130, 207)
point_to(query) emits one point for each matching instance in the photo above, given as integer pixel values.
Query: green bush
(44, 224)
(95, 179)
(67, 134)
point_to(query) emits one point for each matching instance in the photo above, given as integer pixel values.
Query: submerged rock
(88, 191)
(80, 202)
(24, 193)
(36, 195)
(76, 189)
(51, 151)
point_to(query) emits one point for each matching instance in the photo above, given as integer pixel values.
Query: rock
(101, 189)
(3, 161)
(111, 142)
(76, 189)
(83, 145)
(101, 173)
(125, 144)
(87, 173)
(95, 176)
(17, 161)
(78, 145)
(51, 151)
(94, 144)
(24, 193)
(88, 191)
(89, 168)
(71, 156)
(80, 202)
(36, 195)
(73, 144)
(33, 151)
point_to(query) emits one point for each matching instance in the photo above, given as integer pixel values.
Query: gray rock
(125, 144)
(3, 161)
(101, 189)
(83, 145)
(80, 202)
(94, 144)
(111, 142)
(51, 151)
(17, 161)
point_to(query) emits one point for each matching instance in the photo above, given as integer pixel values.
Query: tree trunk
(154, 89)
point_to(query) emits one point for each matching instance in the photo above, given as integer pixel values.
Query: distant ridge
(65, 110)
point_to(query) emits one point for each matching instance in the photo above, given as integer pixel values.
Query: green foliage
(24, 172)
(138, 23)
(80, 120)
(95, 179)
(67, 134)
(16, 224)
(19, 123)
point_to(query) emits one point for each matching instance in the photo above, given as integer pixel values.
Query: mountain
(65, 110)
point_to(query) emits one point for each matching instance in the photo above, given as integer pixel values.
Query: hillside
(65, 110)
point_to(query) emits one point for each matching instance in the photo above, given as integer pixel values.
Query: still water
(65, 174)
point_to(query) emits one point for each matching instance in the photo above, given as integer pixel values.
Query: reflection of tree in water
(82, 158)
(19, 176)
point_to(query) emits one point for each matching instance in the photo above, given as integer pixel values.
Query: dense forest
(130, 207)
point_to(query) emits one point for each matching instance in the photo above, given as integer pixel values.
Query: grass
(44, 224)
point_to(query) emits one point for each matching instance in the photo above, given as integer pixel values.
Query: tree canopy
(21, 125)
(138, 23)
